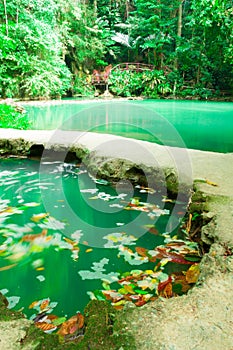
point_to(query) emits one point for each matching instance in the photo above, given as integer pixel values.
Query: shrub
(11, 118)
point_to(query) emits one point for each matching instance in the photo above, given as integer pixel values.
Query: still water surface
(63, 233)
(193, 124)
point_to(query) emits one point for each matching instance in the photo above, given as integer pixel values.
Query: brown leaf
(45, 326)
(52, 317)
(167, 292)
(32, 237)
(154, 231)
(72, 325)
(171, 256)
(141, 251)
(163, 284)
(80, 320)
(180, 279)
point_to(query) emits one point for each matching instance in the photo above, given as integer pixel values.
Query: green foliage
(148, 83)
(11, 118)
(125, 83)
(46, 45)
(82, 86)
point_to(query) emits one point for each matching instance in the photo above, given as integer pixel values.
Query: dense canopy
(49, 48)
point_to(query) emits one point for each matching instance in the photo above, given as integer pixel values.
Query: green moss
(7, 314)
(104, 329)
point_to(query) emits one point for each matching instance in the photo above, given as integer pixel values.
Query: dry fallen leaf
(141, 251)
(72, 325)
(45, 326)
(193, 273)
(33, 304)
(44, 304)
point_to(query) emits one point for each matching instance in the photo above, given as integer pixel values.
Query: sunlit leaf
(38, 217)
(88, 250)
(33, 304)
(211, 183)
(193, 273)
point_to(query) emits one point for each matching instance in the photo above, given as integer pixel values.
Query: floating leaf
(40, 278)
(13, 301)
(8, 267)
(141, 251)
(88, 250)
(40, 268)
(32, 237)
(38, 217)
(44, 304)
(33, 304)
(45, 326)
(57, 321)
(101, 182)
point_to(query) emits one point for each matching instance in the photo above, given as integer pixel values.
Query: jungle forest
(50, 48)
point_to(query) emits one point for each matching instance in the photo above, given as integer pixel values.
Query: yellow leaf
(193, 273)
(211, 183)
(44, 304)
(129, 289)
(38, 217)
(33, 304)
(88, 250)
(40, 269)
(8, 267)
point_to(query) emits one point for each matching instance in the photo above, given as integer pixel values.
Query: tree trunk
(95, 8)
(179, 34)
(179, 28)
(6, 18)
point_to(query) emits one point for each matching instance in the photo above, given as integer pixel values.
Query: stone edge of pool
(200, 319)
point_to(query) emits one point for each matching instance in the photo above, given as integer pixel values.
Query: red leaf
(163, 284)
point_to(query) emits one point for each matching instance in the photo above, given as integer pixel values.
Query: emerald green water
(85, 235)
(193, 124)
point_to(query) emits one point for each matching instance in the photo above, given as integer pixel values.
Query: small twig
(189, 223)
